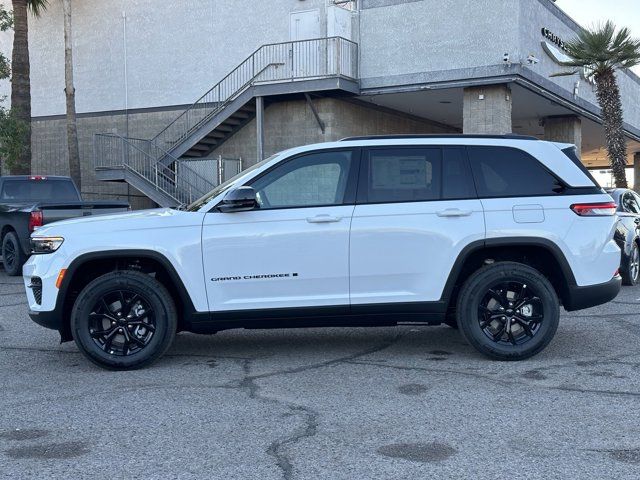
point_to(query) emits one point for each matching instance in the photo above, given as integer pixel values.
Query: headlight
(45, 244)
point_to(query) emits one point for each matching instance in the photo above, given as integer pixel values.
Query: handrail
(220, 106)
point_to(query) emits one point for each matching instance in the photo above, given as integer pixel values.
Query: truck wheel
(630, 271)
(13, 257)
(124, 320)
(508, 311)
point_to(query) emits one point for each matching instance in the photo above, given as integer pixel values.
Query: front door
(293, 251)
(417, 209)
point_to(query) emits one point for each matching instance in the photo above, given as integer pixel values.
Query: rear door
(416, 210)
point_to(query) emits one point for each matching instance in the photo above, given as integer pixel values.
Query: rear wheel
(13, 257)
(631, 270)
(124, 320)
(508, 311)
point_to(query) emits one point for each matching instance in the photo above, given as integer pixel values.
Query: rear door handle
(323, 219)
(454, 212)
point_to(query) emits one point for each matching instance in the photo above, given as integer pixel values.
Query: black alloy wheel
(508, 311)
(122, 323)
(124, 320)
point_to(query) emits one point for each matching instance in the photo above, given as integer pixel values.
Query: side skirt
(427, 313)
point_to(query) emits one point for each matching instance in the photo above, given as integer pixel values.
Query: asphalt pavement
(348, 403)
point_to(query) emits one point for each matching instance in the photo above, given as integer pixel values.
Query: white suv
(488, 234)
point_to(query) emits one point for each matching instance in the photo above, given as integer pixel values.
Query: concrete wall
(291, 124)
(288, 124)
(49, 148)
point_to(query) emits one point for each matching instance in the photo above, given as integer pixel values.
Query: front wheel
(124, 320)
(631, 269)
(508, 311)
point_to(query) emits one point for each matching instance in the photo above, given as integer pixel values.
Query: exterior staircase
(159, 167)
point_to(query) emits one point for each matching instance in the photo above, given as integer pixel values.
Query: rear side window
(510, 172)
(39, 191)
(403, 174)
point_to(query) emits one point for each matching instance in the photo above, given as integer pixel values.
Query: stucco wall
(409, 36)
(175, 49)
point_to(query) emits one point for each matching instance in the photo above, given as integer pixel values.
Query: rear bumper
(592, 295)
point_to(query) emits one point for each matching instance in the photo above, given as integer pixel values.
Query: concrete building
(280, 73)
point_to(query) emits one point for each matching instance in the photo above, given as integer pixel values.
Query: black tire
(493, 317)
(13, 257)
(124, 320)
(630, 270)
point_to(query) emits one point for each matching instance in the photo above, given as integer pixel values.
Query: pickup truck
(28, 202)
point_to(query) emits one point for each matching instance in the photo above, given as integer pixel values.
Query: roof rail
(510, 136)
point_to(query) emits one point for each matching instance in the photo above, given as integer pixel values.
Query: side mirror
(241, 199)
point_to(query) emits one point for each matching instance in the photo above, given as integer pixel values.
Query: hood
(116, 222)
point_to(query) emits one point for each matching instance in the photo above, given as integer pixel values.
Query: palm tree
(21, 80)
(603, 51)
(70, 92)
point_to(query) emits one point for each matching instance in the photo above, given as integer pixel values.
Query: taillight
(605, 209)
(35, 220)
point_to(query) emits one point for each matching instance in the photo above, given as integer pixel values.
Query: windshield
(223, 187)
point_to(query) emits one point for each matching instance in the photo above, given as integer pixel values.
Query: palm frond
(36, 7)
(602, 48)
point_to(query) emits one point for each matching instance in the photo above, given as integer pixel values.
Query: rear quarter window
(510, 172)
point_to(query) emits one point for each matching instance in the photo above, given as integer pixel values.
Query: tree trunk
(609, 99)
(70, 91)
(21, 81)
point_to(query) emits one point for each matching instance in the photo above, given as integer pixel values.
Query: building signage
(556, 48)
(553, 38)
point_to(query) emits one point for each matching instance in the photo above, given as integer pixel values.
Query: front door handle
(454, 212)
(323, 219)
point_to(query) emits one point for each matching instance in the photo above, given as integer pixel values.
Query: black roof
(510, 136)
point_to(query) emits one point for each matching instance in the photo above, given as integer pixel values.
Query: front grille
(36, 288)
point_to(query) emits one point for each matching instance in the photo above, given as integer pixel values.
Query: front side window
(403, 175)
(317, 179)
(510, 172)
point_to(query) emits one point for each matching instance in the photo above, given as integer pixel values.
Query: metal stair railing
(276, 62)
(137, 155)
(271, 63)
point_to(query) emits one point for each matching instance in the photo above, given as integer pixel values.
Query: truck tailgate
(63, 211)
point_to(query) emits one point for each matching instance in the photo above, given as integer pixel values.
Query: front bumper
(579, 298)
(52, 320)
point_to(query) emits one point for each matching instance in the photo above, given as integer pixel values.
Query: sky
(624, 13)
